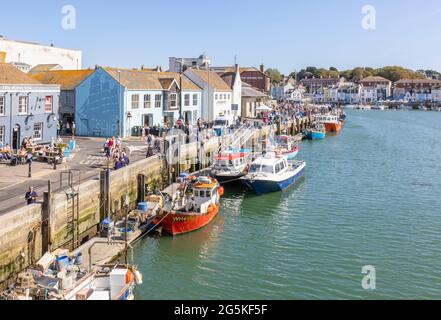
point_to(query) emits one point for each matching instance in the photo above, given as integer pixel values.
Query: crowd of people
(287, 111)
(22, 156)
(114, 150)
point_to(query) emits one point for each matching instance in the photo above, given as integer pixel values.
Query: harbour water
(370, 196)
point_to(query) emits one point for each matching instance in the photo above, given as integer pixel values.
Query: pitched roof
(374, 79)
(418, 81)
(233, 69)
(11, 75)
(249, 91)
(67, 79)
(45, 67)
(148, 80)
(213, 78)
(229, 78)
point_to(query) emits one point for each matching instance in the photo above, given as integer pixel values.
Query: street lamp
(119, 105)
(181, 71)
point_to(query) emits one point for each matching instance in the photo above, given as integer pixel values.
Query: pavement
(88, 157)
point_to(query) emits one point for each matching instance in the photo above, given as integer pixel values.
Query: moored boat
(231, 165)
(286, 146)
(195, 204)
(317, 133)
(331, 123)
(271, 173)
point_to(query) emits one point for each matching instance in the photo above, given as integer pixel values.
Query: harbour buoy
(138, 277)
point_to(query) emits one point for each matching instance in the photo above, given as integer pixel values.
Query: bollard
(30, 170)
(55, 163)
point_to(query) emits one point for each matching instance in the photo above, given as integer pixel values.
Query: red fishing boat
(193, 204)
(331, 123)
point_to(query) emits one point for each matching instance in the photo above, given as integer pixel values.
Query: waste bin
(72, 144)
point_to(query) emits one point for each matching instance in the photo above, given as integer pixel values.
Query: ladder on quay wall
(70, 184)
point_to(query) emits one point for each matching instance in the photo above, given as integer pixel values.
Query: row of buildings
(107, 101)
(369, 90)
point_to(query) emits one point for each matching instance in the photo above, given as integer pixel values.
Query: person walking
(73, 129)
(58, 128)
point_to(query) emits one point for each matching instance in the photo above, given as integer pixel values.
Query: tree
(274, 74)
(395, 73)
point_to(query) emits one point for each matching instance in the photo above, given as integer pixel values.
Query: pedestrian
(119, 164)
(118, 142)
(31, 196)
(59, 125)
(68, 131)
(106, 148)
(73, 129)
(111, 143)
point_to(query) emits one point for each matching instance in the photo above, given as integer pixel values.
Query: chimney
(262, 68)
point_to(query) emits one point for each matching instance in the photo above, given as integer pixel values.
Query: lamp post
(119, 105)
(180, 88)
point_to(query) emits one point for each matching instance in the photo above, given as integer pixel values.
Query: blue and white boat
(271, 173)
(285, 145)
(316, 133)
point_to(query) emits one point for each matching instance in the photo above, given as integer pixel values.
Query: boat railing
(240, 136)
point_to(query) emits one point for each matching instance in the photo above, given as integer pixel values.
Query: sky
(284, 34)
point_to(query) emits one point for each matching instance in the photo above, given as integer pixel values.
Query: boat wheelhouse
(317, 133)
(285, 145)
(231, 165)
(193, 205)
(272, 172)
(331, 122)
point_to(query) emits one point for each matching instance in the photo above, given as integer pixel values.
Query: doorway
(187, 117)
(16, 137)
(148, 120)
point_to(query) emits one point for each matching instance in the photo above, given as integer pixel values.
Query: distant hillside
(393, 73)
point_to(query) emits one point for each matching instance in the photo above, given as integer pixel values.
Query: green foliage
(396, 73)
(274, 74)
(393, 73)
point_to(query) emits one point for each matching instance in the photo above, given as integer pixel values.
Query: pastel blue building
(28, 108)
(112, 102)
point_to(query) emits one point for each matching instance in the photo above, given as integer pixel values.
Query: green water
(371, 196)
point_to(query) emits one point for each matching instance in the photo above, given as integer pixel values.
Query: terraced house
(28, 108)
(416, 90)
(217, 95)
(374, 89)
(113, 101)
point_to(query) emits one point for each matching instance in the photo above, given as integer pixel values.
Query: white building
(295, 94)
(374, 89)
(27, 55)
(348, 92)
(281, 92)
(180, 64)
(233, 79)
(436, 94)
(217, 95)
